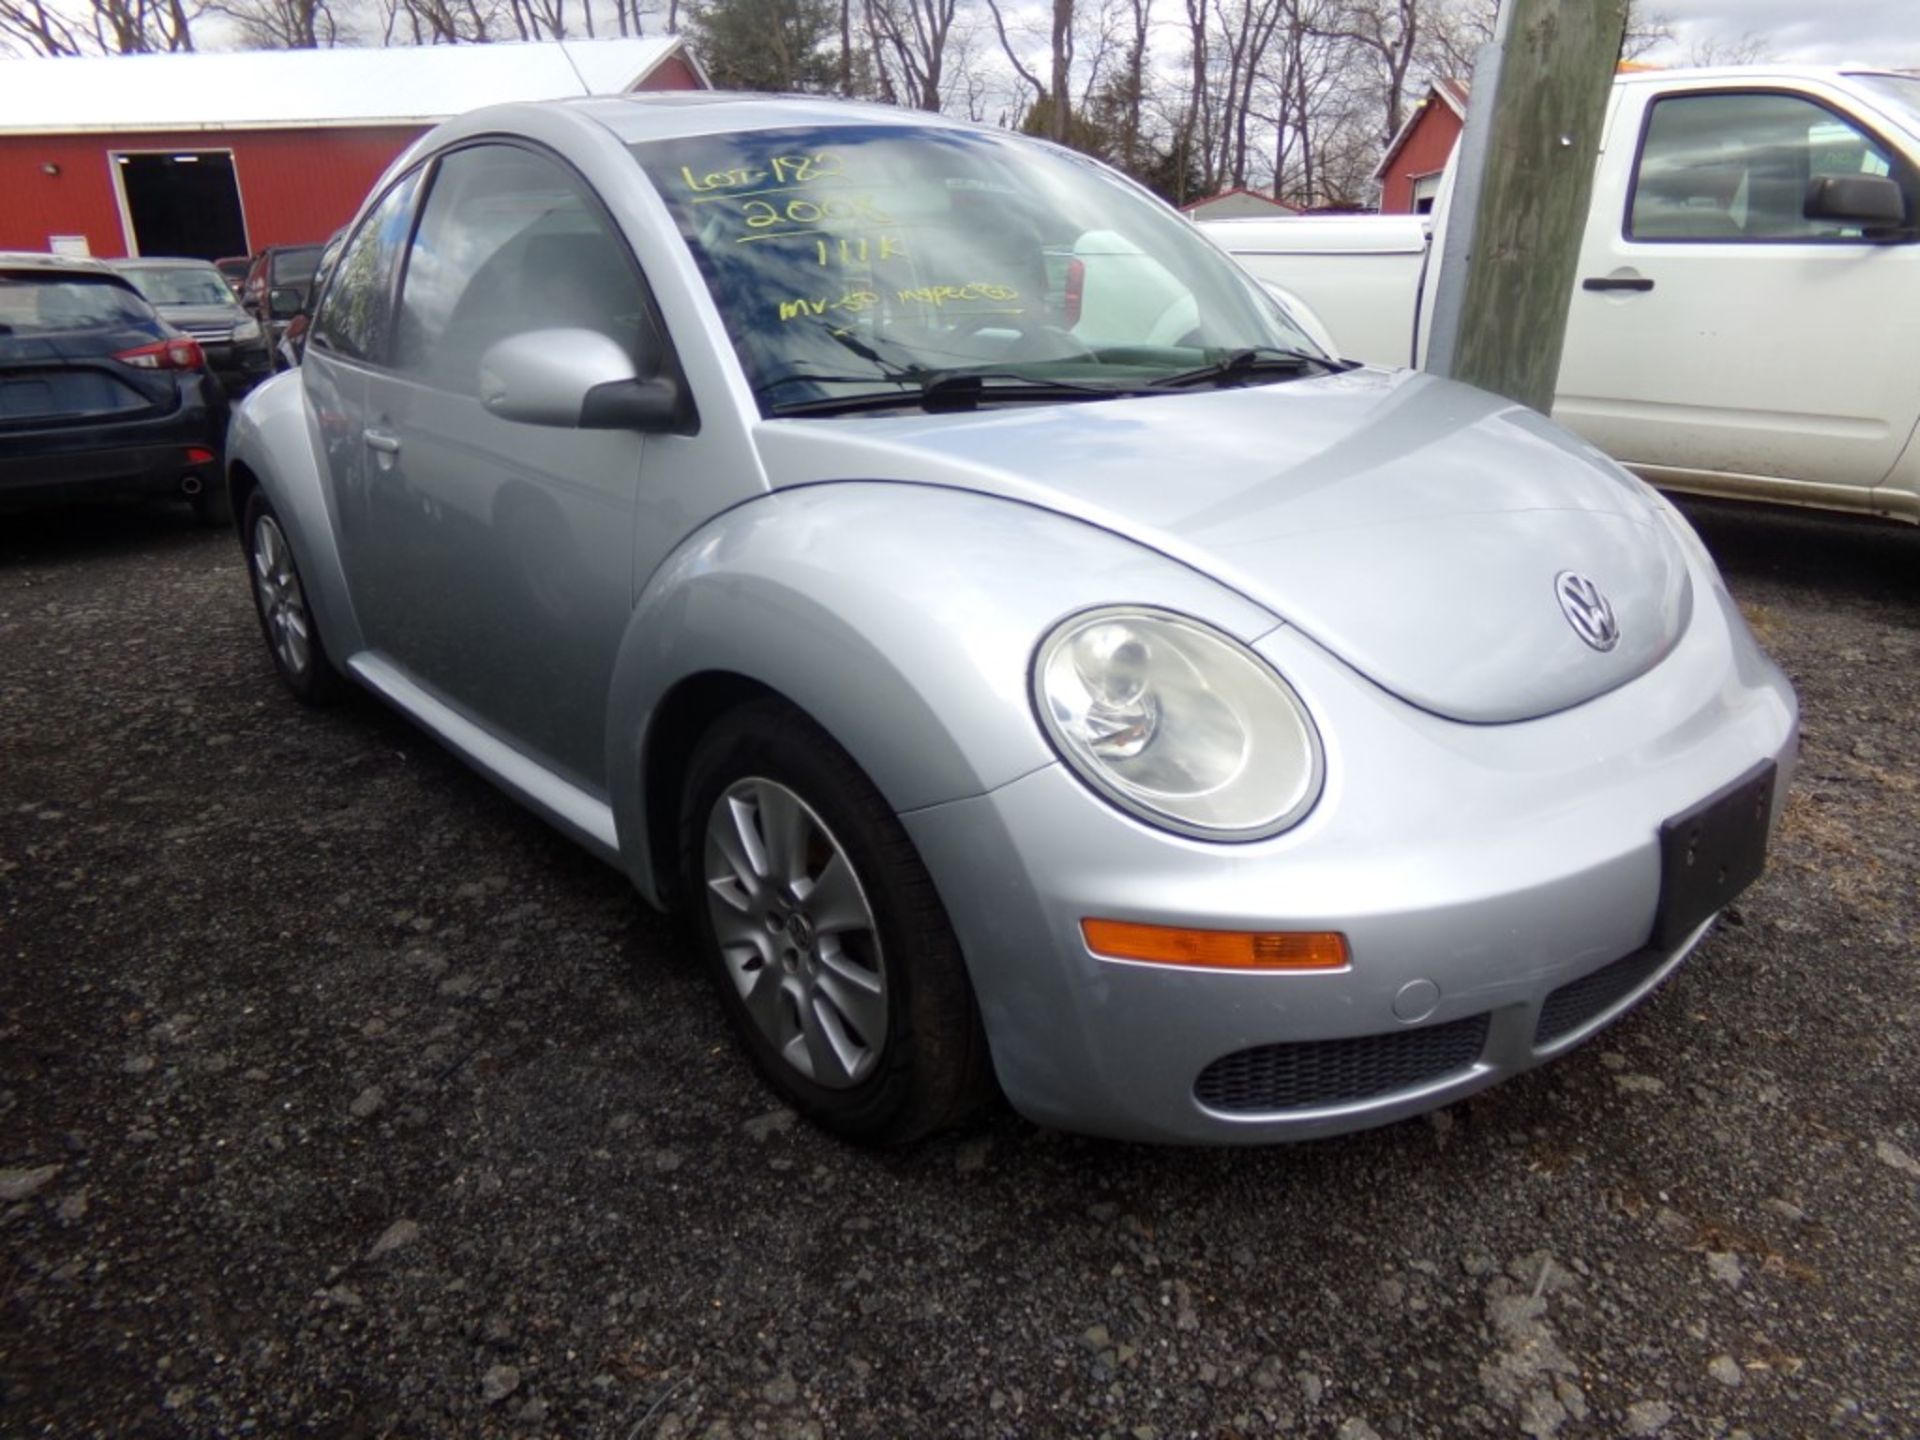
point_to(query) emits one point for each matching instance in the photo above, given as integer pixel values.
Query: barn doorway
(185, 204)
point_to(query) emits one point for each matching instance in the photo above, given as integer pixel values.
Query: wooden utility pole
(1521, 189)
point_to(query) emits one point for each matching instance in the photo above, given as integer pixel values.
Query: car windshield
(34, 303)
(1900, 92)
(883, 259)
(180, 285)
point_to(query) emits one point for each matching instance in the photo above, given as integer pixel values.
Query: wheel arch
(901, 618)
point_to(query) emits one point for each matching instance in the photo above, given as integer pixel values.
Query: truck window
(1736, 167)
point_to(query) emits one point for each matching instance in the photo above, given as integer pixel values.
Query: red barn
(217, 154)
(1409, 173)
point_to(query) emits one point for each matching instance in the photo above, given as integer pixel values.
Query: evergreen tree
(780, 45)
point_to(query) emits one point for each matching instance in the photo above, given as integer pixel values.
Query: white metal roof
(265, 89)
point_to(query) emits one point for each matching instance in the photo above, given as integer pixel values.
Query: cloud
(1872, 32)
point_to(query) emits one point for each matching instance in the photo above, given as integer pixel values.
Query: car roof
(18, 260)
(168, 262)
(675, 114)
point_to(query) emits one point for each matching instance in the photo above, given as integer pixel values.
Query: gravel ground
(340, 1098)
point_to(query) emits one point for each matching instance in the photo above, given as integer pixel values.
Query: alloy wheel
(283, 604)
(796, 932)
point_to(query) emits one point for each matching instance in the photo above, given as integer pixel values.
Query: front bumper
(1497, 885)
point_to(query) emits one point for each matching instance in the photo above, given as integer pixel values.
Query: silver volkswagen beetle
(1030, 659)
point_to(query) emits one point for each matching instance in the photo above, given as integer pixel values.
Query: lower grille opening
(1578, 1001)
(1317, 1073)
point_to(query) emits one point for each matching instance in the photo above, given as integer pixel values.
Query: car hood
(204, 315)
(1416, 528)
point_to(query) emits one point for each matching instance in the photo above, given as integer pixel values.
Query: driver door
(503, 552)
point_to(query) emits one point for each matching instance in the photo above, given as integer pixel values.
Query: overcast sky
(1821, 32)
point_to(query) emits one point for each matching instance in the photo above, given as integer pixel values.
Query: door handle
(380, 440)
(1638, 283)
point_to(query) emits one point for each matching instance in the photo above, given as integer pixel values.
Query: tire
(280, 600)
(832, 953)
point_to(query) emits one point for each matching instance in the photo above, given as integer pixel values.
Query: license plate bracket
(1711, 852)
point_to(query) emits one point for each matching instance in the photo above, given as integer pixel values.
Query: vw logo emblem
(1586, 609)
(800, 930)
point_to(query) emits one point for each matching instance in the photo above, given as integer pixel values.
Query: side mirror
(285, 301)
(575, 379)
(1873, 202)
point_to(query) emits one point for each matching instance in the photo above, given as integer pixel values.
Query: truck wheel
(833, 955)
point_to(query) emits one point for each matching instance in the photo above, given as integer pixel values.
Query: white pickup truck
(1746, 317)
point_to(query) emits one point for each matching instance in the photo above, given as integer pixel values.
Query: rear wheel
(280, 599)
(833, 955)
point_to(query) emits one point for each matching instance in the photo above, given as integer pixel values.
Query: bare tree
(1060, 120)
(1027, 77)
(105, 27)
(1133, 86)
(1749, 49)
(1197, 114)
(910, 48)
(36, 28)
(283, 24)
(1389, 32)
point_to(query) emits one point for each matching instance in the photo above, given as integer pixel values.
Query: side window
(509, 241)
(353, 317)
(1736, 167)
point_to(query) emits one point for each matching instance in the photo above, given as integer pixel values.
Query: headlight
(246, 330)
(1177, 723)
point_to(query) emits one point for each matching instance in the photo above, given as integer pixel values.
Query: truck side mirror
(286, 301)
(1873, 202)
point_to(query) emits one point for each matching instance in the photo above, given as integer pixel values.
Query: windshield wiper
(1251, 364)
(941, 392)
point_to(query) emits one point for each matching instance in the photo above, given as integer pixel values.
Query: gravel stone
(781, 1390)
(774, 1122)
(1891, 1155)
(498, 1383)
(1726, 1370)
(1646, 1417)
(400, 1233)
(25, 1184)
(1725, 1267)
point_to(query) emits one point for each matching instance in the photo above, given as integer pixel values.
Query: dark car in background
(293, 340)
(233, 269)
(192, 297)
(279, 286)
(100, 396)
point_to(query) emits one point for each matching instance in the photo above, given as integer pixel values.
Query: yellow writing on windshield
(859, 250)
(939, 295)
(850, 302)
(781, 170)
(798, 216)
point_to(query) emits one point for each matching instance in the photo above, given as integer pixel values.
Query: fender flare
(902, 617)
(275, 439)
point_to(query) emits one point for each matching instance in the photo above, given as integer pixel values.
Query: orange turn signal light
(1217, 949)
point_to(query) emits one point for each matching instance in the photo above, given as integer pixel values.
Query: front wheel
(833, 955)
